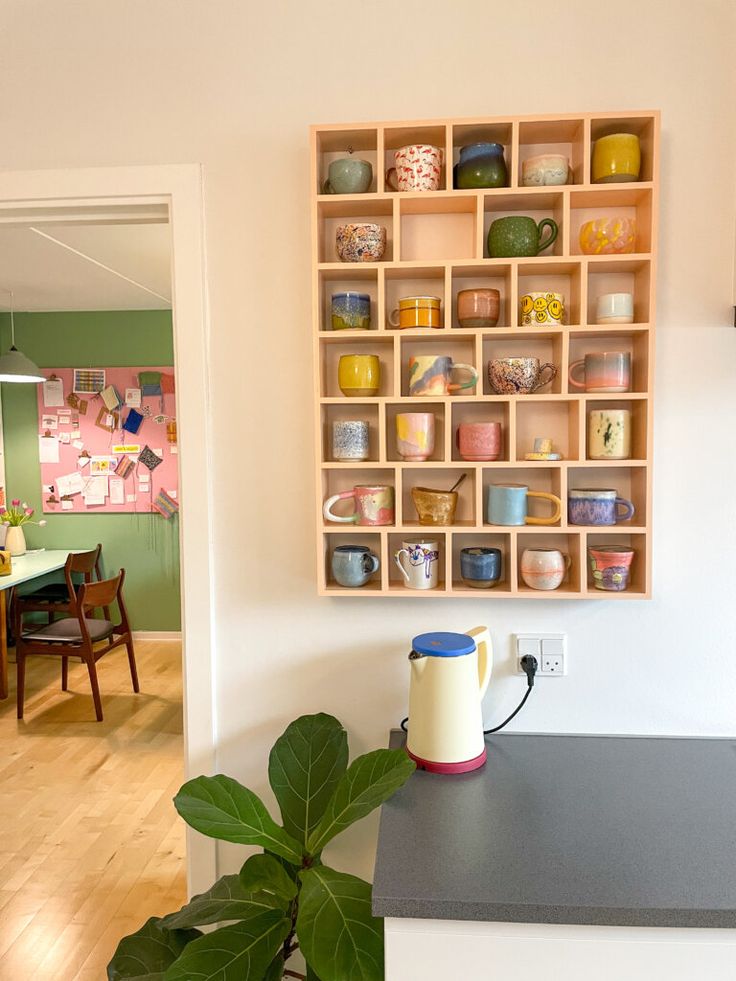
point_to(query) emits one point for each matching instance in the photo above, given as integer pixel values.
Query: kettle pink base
(465, 766)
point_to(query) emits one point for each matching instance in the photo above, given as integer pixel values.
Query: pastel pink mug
(374, 505)
(479, 441)
(604, 371)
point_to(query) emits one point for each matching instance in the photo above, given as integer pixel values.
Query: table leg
(3, 643)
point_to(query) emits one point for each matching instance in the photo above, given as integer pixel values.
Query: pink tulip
(15, 502)
(29, 512)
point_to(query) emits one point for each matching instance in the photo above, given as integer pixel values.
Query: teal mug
(519, 235)
(349, 175)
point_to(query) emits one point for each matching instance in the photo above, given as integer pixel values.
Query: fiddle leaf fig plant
(284, 899)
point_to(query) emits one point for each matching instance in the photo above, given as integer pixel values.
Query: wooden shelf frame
(436, 245)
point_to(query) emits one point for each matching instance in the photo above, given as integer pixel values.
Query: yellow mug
(416, 311)
(359, 375)
(616, 159)
(6, 563)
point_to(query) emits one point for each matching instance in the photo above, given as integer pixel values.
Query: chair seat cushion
(66, 631)
(54, 592)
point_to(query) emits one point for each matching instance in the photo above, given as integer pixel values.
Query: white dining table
(32, 565)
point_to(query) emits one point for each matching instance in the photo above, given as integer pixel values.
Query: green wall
(146, 546)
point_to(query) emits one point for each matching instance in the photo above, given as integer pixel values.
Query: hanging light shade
(15, 366)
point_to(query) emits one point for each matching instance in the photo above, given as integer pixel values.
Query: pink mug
(374, 505)
(607, 371)
(418, 168)
(479, 441)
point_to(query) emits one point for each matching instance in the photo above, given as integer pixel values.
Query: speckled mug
(350, 440)
(512, 376)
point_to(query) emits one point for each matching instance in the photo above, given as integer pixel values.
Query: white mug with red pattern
(418, 168)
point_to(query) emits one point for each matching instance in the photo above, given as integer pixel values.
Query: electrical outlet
(550, 651)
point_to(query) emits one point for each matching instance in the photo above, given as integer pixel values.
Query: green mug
(519, 235)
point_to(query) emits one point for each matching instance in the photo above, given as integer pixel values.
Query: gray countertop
(606, 830)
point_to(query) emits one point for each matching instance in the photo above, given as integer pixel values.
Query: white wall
(150, 81)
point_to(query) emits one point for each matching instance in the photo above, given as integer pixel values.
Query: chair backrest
(95, 594)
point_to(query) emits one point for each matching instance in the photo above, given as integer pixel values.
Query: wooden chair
(77, 635)
(60, 597)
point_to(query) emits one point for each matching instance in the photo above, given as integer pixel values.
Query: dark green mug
(519, 235)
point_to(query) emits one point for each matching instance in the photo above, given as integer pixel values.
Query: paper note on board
(95, 490)
(100, 464)
(64, 438)
(65, 412)
(130, 498)
(67, 505)
(49, 422)
(71, 483)
(133, 397)
(117, 490)
(82, 461)
(133, 448)
(75, 433)
(78, 444)
(48, 449)
(53, 392)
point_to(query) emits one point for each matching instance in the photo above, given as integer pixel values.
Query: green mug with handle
(519, 235)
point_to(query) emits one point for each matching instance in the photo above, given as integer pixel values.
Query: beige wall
(235, 85)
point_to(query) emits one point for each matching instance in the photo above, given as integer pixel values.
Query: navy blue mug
(480, 567)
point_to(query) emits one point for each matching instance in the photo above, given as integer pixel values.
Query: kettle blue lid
(443, 644)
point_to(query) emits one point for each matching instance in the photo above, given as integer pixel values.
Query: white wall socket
(550, 651)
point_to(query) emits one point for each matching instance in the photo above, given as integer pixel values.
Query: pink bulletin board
(80, 435)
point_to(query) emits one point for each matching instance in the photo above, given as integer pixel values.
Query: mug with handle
(507, 505)
(421, 568)
(431, 375)
(353, 565)
(520, 235)
(374, 505)
(607, 371)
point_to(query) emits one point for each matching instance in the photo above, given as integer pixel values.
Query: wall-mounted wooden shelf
(436, 245)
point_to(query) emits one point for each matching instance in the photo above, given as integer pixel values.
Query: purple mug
(590, 506)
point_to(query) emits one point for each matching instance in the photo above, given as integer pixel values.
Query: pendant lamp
(15, 366)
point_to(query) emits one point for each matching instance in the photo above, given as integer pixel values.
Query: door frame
(29, 196)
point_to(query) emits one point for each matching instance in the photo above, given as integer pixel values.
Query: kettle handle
(482, 638)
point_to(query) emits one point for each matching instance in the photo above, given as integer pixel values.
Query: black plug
(530, 666)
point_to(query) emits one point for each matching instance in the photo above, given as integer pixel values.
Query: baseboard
(157, 635)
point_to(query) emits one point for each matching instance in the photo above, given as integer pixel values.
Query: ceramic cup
(6, 563)
(350, 440)
(546, 169)
(479, 442)
(478, 307)
(349, 175)
(604, 371)
(480, 165)
(419, 563)
(374, 505)
(607, 236)
(415, 435)
(416, 311)
(353, 565)
(434, 507)
(360, 242)
(480, 567)
(359, 375)
(509, 376)
(543, 568)
(506, 504)
(616, 159)
(418, 168)
(543, 307)
(609, 434)
(519, 235)
(431, 375)
(351, 311)
(611, 565)
(590, 506)
(615, 308)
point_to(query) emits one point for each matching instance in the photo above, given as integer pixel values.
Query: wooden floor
(90, 844)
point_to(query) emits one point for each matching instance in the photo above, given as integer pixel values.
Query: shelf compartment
(612, 201)
(638, 573)
(620, 275)
(482, 539)
(636, 344)
(352, 278)
(438, 228)
(438, 478)
(335, 481)
(341, 209)
(548, 479)
(541, 344)
(558, 420)
(546, 136)
(531, 203)
(438, 408)
(481, 412)
(460, 348)
(497, 277)
(643, 126)
(469, 133)
(628, 482)
(342, 412)
(639, 423)
(416, 281)
(555, 277)
(362, 342)
(395, 137)
(360, 536)
(568, 544)
(334, 144)
(395, 580)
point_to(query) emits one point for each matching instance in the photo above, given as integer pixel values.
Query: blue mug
(351, 311)
(353, 565)
(480, 567)
(589, 506)
(507, 505)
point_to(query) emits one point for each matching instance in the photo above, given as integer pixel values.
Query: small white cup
(615, 308)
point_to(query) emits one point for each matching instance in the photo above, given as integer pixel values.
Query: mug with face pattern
(543, 307)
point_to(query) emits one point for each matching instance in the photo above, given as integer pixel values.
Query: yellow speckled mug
(616, 159)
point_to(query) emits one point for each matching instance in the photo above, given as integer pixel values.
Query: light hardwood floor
(90, 844)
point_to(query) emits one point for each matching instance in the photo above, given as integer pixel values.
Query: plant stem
(294, 974)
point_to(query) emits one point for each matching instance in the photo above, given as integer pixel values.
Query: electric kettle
(449, 677)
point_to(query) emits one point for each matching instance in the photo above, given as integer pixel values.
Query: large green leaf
(265, 874)
(339, 938)
(369, 781)
(146, 954)
(275, 970)
(240, 952)
(304, 767)
(226, 900)
(220, 807)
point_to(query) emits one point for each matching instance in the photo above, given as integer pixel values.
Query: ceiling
(45, 275)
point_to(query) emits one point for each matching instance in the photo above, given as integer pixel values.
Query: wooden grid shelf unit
(436, 244)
